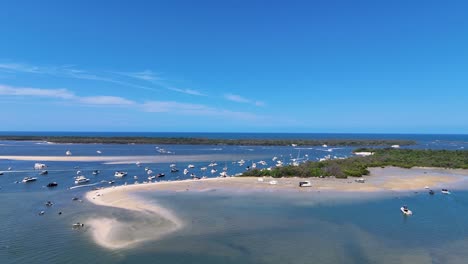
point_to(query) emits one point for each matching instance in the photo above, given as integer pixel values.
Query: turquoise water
(255, 228)
(222, 227)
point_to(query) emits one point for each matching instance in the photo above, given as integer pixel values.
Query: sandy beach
(133, 159)
(381, 180)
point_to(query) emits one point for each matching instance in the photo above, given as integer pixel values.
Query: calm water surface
(225, 228)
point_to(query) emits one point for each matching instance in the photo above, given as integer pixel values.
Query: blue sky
(234, 66)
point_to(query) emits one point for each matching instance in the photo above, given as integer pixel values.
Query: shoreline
(381, 181)
(134, 159)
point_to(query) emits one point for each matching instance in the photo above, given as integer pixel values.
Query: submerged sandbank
(113, 233)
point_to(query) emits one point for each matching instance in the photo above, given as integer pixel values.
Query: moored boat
(81, 179)
(52, 184)
(120, 174)
(28, 179)
(78, 225)
(404, 209)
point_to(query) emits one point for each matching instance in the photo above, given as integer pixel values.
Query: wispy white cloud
(68, 71)
(63, 94)
(24, 91)
(105, 100)
(196, 110)
(155, 81)
(18, 67)
(185, 91)
(236, 98)
(146, 75)
(153, 78)
(239, 99)
(173, 107)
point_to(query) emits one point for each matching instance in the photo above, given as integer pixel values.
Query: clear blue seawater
(223, 227)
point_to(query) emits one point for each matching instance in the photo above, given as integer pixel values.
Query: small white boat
(10, 168)
(223, 174)
(81, 179)
(203, 168)
(138, 163)
(262, 162)
(191, 166)
(39, 166)
(360, 180)
(151, 177)
(68, 153)
(213, 164)
(241, 162)
(135, 177)
(274, 158)
(293, 145)
(172, 165)
(305, 184)
(98, 152)
(213, 171)
(395, 146)
(77, 225)
(120, 174)
(28, 179)
(149, 172)
(325, 146)
(186, 171)
(78, 172)
(254, 165)
(404, 209)
(445, 191)
(96, 172)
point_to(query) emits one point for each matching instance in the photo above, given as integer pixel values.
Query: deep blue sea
(224, 228)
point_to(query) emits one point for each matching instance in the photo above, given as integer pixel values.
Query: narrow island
(211, 141)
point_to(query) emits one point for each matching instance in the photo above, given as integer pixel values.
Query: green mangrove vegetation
(210, 141)
(358, 166)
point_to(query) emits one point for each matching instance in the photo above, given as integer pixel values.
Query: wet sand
(381, 180)
(114, 233)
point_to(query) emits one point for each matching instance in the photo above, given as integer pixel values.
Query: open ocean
(224, 228)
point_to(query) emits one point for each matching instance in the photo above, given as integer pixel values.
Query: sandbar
(381, 180)
(134, 159)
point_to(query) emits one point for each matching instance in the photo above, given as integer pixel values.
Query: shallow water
(222, 227)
